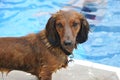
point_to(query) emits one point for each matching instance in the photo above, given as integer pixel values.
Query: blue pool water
(21, 17)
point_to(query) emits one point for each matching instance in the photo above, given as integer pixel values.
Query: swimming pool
(21, 17)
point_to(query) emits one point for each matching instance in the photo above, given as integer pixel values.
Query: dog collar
(65, 51)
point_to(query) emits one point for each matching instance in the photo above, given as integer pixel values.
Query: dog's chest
(54, 62)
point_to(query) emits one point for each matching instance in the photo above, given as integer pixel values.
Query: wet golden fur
(41, 54)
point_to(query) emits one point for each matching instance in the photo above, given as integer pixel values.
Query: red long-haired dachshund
(43, 53)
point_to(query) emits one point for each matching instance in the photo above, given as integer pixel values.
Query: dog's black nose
(67, 43)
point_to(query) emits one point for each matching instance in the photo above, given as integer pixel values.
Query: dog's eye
(75, 24)
(59, 25)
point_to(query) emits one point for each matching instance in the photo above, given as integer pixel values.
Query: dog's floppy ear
(83, 33)
(51, 32)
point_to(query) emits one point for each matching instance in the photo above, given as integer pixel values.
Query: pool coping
(86, 70)
(99, 66)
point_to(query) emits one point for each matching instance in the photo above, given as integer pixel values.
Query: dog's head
(66, 29)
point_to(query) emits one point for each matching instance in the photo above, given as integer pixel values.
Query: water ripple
(31, 6)
(12, 2)
(58, 4)
(8, 18)
(100, 57)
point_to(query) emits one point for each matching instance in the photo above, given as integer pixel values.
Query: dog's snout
(67, 43)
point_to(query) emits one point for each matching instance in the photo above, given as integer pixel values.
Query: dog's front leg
(45, 77)
(44, 74)
(49, 77)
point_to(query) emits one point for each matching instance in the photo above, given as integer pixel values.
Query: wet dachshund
(43, 53)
